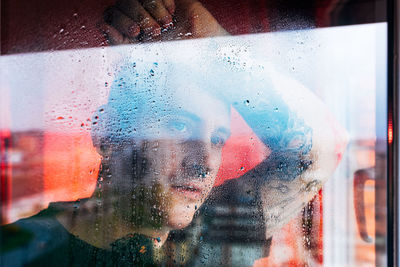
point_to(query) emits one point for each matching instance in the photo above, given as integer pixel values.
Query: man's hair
(147, 88)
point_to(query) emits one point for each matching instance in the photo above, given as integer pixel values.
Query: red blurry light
(390, 131)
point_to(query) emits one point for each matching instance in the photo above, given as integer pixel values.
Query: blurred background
(56, 69)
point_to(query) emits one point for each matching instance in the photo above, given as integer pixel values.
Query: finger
(112, 35)
(170, 6)
(158, 11)
(122, 23)
(134, 10)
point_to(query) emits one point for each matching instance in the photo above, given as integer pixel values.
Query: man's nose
(195, 162)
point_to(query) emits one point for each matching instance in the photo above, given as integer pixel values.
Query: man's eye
(218, 140)
(179, 129)
(179, 126)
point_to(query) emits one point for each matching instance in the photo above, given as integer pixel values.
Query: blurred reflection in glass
(161, 135)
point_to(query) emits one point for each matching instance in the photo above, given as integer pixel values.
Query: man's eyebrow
(224, 130)
(189, 115)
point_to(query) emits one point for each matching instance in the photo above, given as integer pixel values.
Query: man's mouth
(189, 191)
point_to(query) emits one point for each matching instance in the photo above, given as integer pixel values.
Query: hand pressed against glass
(130, 21)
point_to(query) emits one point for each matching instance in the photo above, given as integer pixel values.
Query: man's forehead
(200, 102)
(161, 89)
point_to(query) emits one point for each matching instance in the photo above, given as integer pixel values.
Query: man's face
(164, 176)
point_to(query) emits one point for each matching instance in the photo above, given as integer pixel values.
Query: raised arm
(306, 145)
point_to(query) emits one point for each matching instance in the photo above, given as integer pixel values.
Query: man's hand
(131, 21)
(283, 200)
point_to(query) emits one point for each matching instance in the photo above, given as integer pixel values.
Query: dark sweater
(42, 241)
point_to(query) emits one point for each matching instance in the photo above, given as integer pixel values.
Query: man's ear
(99, 131)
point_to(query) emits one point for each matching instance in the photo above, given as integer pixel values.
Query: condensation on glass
(180, 133)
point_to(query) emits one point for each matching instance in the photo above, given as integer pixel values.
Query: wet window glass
(187, 133)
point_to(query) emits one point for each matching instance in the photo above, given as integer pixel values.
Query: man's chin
(181, 216)
(178, 224)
